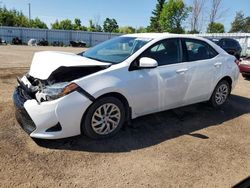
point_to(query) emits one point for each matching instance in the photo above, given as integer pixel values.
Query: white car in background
(32, 42)
(95, 92)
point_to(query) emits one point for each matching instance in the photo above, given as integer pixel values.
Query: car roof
(162, 35)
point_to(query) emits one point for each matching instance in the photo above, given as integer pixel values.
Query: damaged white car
(96, 92)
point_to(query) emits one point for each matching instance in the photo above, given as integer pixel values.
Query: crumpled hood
(44, 63)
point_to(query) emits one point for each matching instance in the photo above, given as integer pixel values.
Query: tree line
(171, 16)
(16, 18)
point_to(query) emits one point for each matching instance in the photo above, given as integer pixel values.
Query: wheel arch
(228, 79)
(119, 96)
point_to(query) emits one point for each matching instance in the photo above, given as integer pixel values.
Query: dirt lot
(195, 146)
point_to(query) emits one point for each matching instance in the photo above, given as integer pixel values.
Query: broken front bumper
(22, 116)
(55, 119)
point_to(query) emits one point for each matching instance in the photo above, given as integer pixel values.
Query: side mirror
(147, 62)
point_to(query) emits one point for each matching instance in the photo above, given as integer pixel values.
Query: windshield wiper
(81, 53)
(99, 60)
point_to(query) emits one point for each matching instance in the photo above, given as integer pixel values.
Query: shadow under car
(156, 128)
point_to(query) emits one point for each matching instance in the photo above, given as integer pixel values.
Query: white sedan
(97, 91)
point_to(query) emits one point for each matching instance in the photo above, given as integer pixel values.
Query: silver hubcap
(221, 94)
(106, 118)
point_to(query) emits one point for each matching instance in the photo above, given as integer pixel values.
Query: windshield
(116, 50)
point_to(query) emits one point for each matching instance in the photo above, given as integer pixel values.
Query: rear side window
(165, 52)
(198, 50)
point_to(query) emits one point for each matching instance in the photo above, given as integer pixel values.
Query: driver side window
(164, 52)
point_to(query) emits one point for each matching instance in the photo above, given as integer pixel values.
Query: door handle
(217, 64)
(181, 71)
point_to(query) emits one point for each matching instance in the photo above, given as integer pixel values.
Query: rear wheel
(220, 94)
(104, 118)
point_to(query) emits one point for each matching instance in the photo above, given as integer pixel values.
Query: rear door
(203, 66)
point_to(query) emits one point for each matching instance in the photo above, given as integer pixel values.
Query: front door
(172, 75)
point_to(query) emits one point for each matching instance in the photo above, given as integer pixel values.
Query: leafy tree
(13, 18)
(21, 20)
(98, 28)
(64, 25)
(247, 25)
(55, 25)
(127, 30)
(154, 20)
(16, 18)
(240, 23)
(68, 25)
(78, 22)
(37, 23)
(78, 25)
(141, 30)
(94, 27)
(7, 18)
(110, 25)
(216, 28)
(174, 12)
(91, 27)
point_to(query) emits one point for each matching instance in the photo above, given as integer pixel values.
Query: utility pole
(29, 12)
(1, 8)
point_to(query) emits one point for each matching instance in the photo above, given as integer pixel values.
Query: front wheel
(104, 118)
(220, 94)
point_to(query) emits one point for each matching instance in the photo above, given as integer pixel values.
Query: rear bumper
(21, 114)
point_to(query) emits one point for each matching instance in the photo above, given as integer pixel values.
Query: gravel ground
(194, 146)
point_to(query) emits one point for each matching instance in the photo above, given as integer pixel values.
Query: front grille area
(22, 117)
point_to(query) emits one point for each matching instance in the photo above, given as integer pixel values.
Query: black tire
(213, 101)
(246, 76)
(87, 127)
